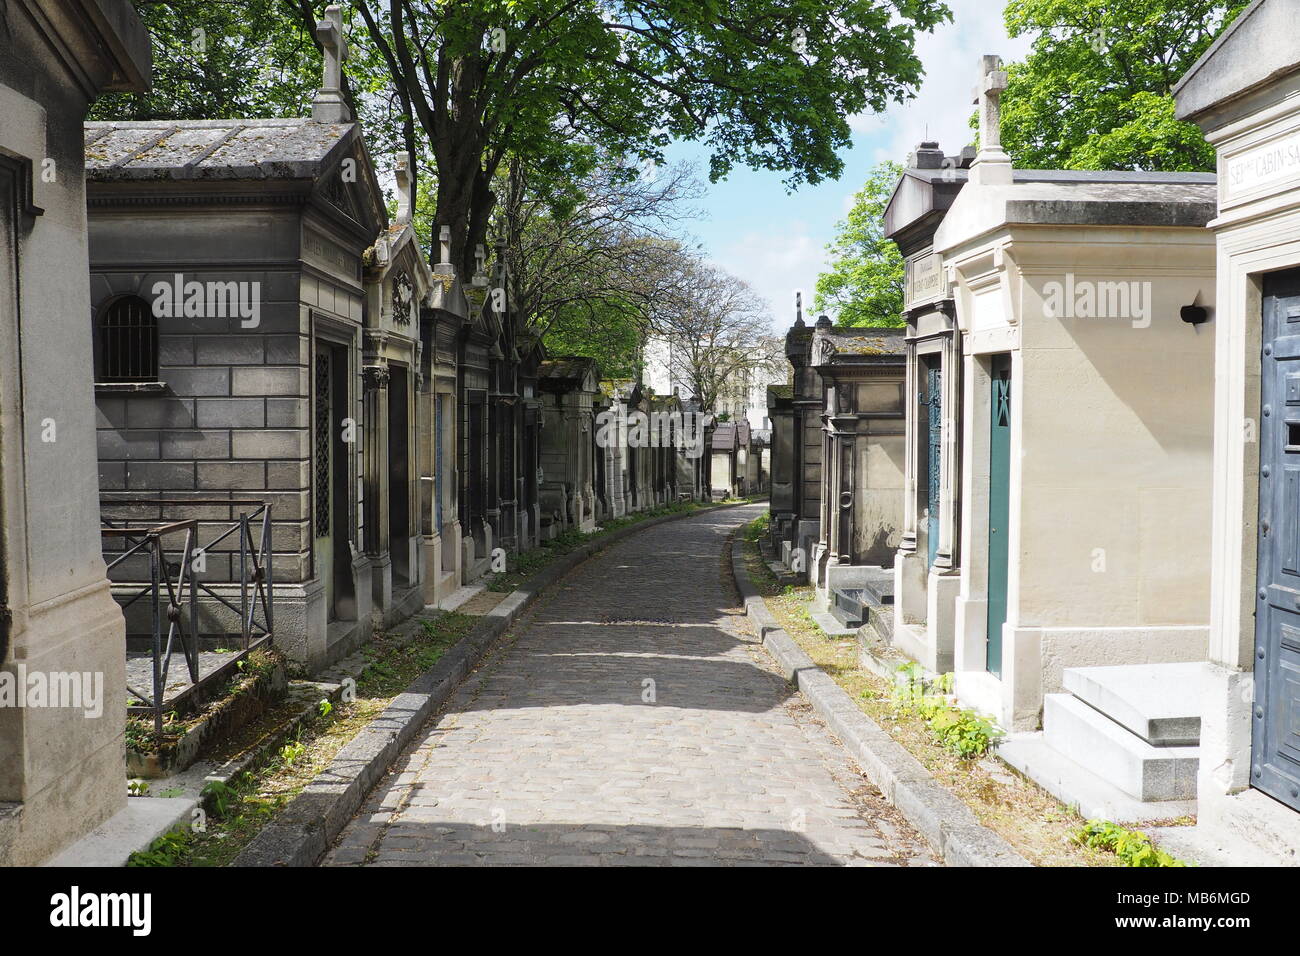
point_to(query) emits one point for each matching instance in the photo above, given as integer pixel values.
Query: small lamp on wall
(1194, 314)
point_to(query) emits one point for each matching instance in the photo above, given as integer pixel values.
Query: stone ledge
(313, 820)
(939, 815)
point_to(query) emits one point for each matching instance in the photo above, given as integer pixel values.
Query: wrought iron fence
(173, 588)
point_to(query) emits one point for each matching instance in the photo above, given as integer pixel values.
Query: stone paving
(631, 718)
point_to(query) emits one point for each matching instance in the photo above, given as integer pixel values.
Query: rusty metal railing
(175, 560)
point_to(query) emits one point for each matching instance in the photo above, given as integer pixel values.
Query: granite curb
(938, 814)
(303, 833)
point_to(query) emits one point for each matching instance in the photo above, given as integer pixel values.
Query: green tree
(1095, 91)
(764, 83)
(864, 285)
(246, 58)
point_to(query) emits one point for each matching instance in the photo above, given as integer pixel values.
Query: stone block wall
(231, 421)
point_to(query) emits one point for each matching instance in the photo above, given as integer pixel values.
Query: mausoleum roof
(729, 435)
(861, 342)
(1081, 198)
(567, 368)
(225, 149)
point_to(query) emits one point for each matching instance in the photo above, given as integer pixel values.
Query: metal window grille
(323, 426)
(128, 342)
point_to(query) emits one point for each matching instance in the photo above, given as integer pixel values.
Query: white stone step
(1161, 703)
(1076, 787)
(1105, 748)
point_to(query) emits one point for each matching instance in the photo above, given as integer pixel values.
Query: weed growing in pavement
(1133, 847)
(960, 730)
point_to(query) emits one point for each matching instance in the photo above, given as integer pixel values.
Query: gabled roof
(569, 371)
(864, 343)
(222, 149)
(727, 436)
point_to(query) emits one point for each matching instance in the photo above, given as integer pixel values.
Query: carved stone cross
(444, 266)
(992, 81)
(329, 105)
(996, 163)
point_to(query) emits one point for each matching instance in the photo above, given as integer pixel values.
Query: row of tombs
(269, 413)
(1071, 479)
(389, 425)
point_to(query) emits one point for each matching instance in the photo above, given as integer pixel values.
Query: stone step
(882, 619)
(1110, 751)
(879, 585)
(1078, 787)
(1159, 702)
(849, 605)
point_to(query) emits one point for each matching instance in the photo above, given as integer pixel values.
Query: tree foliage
(763, 83)
(1095, 91)
(864, 285)
(250, 59)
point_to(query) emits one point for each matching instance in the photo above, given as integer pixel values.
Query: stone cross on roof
(329, 105)
(444, 266)
(992, 165)
(480, 265)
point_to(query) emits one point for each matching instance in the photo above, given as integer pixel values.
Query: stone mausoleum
(1242, 93)
(1085, 306)
(61, 767)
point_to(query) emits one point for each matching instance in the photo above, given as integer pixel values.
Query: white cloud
(942, 108)
(775, 264)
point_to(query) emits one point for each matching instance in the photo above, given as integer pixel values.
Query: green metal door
(999, 505)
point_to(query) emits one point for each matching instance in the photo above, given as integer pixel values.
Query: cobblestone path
(631, 718)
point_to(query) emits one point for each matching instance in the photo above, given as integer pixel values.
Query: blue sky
(776, 240)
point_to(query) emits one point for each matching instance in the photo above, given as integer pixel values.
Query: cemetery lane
(631, 718)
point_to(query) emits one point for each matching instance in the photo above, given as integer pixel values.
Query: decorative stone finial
(798, 310)
(992, 166)
(329, 105)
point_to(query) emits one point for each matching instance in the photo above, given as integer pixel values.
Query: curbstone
(937, 813)
(308, 826)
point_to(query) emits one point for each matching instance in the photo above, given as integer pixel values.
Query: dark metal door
(399, 472)
(934, 380)
(437, 462)
(999, 505)
(1275, 723)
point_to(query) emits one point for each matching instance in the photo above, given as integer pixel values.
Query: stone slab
(457, 597)
(1096, 742)
(831, 625)
(1203, 847)
(1078, 787)
(134, 827)
(1160, 703)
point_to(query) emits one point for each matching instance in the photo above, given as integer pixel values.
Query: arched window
(127, 342)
